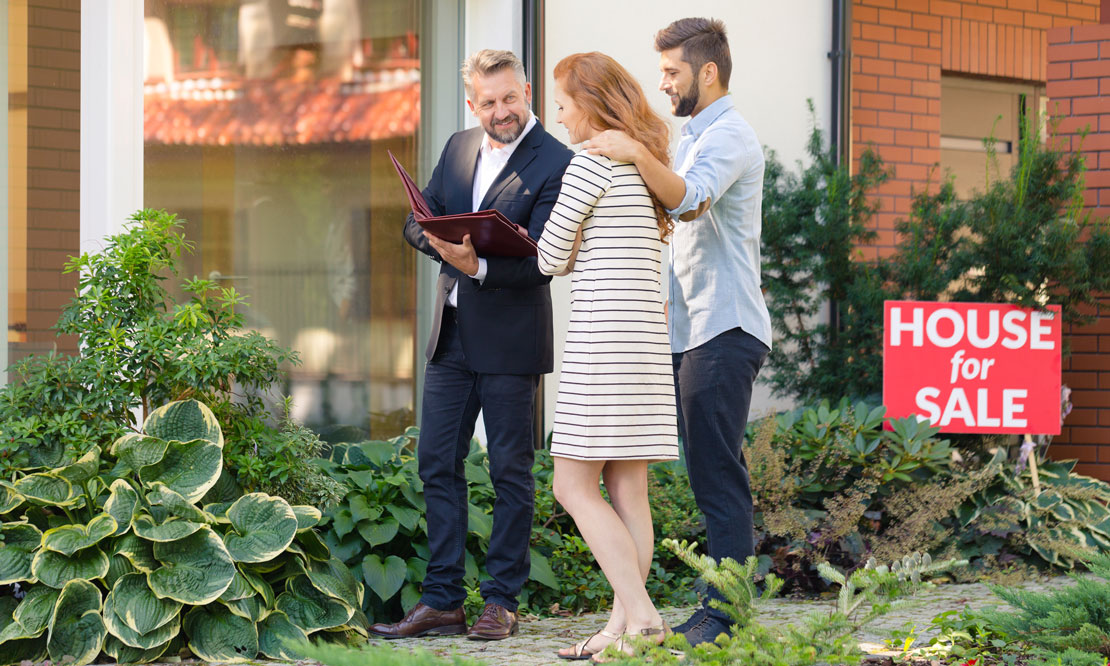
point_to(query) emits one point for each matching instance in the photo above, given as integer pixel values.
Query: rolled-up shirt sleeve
(720, 157)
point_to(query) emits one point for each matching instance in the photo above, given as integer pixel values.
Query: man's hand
(459, 255)
(614, 144)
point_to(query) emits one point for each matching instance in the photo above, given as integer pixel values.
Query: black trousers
(453, 395)
(713, 383)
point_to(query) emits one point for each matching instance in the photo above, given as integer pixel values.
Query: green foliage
(823, 637)
(116, 554)
(1024, 240)
(1076, 617)
(139, 347)
(1067, 519)
(813, 225)
(379, 531)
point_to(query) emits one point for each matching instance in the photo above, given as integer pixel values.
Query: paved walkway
(539, 638)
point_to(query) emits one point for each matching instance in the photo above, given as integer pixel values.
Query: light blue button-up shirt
(714, 284)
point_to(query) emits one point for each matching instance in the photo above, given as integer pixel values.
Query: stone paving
(540, 638)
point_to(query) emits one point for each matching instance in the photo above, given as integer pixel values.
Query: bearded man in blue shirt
(719, 326)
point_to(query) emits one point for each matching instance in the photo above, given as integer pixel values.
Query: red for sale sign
(973, 367)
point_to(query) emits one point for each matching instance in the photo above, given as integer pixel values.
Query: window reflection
(266, 127)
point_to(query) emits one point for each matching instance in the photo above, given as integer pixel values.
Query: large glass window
(266, 127)
(42, 124)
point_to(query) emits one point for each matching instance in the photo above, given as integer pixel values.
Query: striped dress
(616, 384)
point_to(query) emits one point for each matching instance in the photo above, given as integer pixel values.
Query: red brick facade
(899, 49)
(1079, 85)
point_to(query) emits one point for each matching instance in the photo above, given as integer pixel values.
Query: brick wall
(900, 47)
(1078, 81)
(53, 162)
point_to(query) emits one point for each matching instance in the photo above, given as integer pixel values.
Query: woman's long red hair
(612, 99)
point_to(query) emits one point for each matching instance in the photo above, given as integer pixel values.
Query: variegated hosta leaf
(68, 539)
(251, 608)
(18, 542)
(259, 585)
(262, 527)
(9, 499)
(218, 510)
(170, 530)
(240, 588)
(175, 505)
(45, 488)
(139, 608)
(184, 421)
(159, 635)
(24, 649)
(307, 516)
(195, 570)
(216, 634)
(121, 505)
(135, 450)
(32, 615)
(312, 546)
(118, 567)
(190, 468)
(84, 469)
(55, 569)
(334, 578)
(309, 608)
(275, 633)
(139, 552)
(125, 654)
(76, 627)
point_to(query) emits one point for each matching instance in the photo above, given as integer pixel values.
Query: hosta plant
(139, 552)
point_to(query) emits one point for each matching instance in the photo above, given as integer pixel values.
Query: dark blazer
(505, 320)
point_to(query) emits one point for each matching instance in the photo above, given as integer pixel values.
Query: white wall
(780, 58)
(111, 117)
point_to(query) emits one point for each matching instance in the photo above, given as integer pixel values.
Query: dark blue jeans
(453, 395)
(713, 383)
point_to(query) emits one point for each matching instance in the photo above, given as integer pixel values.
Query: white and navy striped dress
(616, 385)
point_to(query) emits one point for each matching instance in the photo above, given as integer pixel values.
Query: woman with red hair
(616, 406)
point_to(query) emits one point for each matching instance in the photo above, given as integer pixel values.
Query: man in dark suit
(491, 341)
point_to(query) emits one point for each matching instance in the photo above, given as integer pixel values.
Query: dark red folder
(490, 233)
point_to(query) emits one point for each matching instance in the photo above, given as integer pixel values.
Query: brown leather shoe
(495, 623)
(424, 621)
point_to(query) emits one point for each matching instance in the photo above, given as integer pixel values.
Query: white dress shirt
(490, 163)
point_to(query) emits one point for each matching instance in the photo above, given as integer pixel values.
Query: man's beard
(508, 135)
(686, 103)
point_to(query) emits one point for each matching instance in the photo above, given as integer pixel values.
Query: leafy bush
(824, 478)
(378, 530)
(1069, 625)
(330, 654)
(140, 348)
(115, 554)
(1023, 240)
(823, 637)
(833, 484)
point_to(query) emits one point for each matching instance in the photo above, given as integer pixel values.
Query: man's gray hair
(490, 61)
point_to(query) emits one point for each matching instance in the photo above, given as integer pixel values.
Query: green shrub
(832, 484)
(330, 654)
(379, 531)
(824, 478)
(1024, 240)
(1069, 625)
(141, 348)
(823, 637)
(116, 554)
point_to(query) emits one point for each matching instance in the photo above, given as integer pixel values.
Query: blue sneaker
(706, 630)
(693, 620)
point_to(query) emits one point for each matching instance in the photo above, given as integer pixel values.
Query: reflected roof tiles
(280, 112)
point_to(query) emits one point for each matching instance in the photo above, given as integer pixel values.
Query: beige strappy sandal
(621, 641)
(581, 654)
